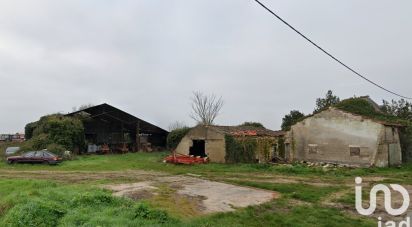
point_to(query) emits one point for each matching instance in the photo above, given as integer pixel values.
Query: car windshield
(29, 154)
(48, 154)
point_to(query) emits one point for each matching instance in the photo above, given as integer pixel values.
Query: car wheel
(10, 162)
(46, 163)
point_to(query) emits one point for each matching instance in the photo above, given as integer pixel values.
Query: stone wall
(340, 137)
(215, 146)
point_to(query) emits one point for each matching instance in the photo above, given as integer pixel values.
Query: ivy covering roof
(363, 107)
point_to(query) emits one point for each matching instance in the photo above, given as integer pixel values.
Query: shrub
(29, 129)
(64, 133)
(34, 214)
(26, 146)
(56, 149)
(95, 198)
(142, 211)
(40, 142)
(175, 136)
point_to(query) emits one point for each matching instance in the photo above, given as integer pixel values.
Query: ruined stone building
(338, 136)
(211, 141)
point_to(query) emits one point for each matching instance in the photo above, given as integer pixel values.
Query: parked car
(44, 157)
(12, 150)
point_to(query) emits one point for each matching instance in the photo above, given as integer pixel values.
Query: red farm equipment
(185, 159)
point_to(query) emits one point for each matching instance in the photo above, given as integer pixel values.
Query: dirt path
(82, 176)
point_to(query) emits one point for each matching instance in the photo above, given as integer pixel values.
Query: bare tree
(82, 107)
(177, 125)
(205, 108)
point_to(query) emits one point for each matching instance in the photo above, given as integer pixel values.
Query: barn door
(394, 155)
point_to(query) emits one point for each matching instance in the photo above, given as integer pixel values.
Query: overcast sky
(147, 56)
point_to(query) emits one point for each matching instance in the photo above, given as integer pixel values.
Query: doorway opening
(198, 148)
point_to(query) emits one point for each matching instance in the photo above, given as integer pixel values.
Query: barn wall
(330, 136)
(389, 151)
(216, 150)
(214, 143)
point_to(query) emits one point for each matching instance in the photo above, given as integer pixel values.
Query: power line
(327, 53)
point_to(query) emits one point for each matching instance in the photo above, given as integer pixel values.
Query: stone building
(338, 136)
(210, 141)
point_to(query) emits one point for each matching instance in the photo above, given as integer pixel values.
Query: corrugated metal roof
(110, 112)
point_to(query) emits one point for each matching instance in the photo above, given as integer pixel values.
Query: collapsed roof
(246, 131)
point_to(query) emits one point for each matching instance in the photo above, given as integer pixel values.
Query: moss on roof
(364, 108)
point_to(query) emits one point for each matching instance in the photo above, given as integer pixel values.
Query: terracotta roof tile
(247, 131)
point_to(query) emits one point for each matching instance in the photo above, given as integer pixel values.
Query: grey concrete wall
(215, 146)
(329, 135)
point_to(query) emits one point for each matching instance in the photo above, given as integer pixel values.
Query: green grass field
(43, 201)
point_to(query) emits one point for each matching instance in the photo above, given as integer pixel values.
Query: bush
(40, 142)
(56, 149)
(96, 198)
(29, 129)
(34, 214)
(57, 131)
(175, 136)
(142, 211)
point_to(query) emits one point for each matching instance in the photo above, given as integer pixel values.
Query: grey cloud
(148, 56)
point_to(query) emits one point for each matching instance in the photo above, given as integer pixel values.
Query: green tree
(324, 103)
(253, 124)
(82, 107)
(290, 119)
(400, 108)
(177, 125)
(403, 110)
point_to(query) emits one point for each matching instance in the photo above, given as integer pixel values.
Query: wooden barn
(108, 129)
